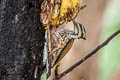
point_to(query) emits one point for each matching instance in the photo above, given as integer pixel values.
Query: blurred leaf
(110, 56)
(43, 77)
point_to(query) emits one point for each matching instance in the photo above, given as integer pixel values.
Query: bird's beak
(82, 38)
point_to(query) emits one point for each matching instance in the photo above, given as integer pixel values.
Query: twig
(82, 7)
(88, 55)
(56, 72)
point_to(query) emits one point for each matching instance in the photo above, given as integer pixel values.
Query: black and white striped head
(79, 30)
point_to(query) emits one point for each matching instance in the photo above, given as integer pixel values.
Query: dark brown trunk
(21, 40)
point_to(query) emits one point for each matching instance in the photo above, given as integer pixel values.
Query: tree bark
(21, 40)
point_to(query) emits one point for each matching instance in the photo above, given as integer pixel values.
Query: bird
(68, 37)
(53, 14)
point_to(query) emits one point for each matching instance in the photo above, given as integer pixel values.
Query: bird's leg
(56, 40)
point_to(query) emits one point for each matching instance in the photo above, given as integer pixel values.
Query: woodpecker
(53, 14)
(68, 37)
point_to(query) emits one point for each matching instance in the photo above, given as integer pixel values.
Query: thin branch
(88, 55)
(82, 7)
(56, 72)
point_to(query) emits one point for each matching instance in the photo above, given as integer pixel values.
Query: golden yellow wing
(64, 51)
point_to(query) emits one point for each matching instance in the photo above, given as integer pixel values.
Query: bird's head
(79, 30)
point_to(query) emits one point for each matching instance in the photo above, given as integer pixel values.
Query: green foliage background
(110, 55)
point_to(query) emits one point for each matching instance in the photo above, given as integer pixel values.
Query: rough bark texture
(21, 40)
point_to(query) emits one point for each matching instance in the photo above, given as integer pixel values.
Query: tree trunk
(21, 40)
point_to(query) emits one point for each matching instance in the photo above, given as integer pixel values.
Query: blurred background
(101, 18)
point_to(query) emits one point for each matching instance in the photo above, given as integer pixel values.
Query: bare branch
(82, 7)
(56, 72)
(88, 55)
